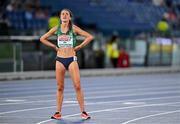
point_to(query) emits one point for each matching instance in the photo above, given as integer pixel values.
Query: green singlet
(66, 40)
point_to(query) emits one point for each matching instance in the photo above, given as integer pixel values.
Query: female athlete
(66, 58)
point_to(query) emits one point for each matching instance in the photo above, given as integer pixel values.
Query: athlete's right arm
(44, 38)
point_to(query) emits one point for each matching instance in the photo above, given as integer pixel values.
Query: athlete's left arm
(88, 37)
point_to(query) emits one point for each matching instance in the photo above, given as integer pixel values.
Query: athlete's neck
(64, 25)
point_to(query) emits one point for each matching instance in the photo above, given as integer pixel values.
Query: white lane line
(38, 101)
(87, 98)
(113, 109)
(134, 103)
(31, 96)
(100, 97)
(70, 101)
(97, 88)
(23, 110)
(153, 115)
(39, 108)
(15, 100)
(45, 121)
(97, 85)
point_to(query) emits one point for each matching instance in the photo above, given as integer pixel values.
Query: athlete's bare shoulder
(54, 29)
(76, 29)
(49, 33)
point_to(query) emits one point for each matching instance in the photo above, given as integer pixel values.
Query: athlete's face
(65, 16)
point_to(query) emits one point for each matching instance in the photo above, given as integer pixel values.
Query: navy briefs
(66, 61)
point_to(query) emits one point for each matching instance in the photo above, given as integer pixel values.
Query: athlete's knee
(77, 87)
(60, 88)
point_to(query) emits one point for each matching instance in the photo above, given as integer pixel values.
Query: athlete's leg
(75, 75)
(60, 72)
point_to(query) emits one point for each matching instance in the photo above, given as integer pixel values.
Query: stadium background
(148, 30)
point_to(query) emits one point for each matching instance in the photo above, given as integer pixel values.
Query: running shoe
(57, 116)
(85, 116)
